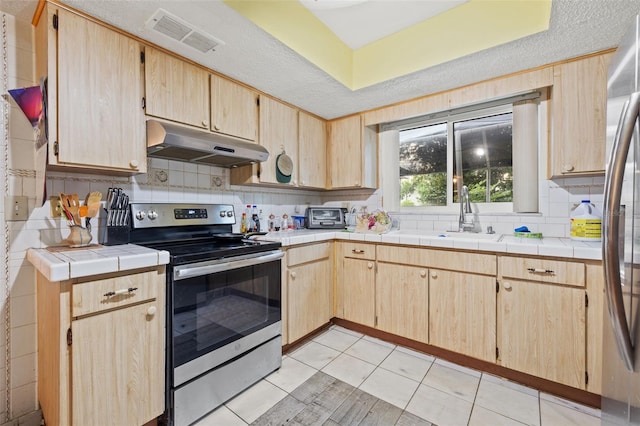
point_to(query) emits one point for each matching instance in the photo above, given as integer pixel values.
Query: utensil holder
(115, 235)
(79, 236)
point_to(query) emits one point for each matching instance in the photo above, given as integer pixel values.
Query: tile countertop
(548, 246)
(65, 263)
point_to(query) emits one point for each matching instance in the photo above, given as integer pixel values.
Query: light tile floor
(432, 389)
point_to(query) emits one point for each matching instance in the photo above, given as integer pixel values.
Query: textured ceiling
(251, 55)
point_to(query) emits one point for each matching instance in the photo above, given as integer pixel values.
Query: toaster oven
(325, 217)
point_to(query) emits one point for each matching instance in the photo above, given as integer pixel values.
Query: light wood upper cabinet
(402, 301)
(579, 102)
(462, 313)
(234, 109)
(101, 359)
(310, 288)
(96, 120)
(352, 154)
(175, 89)
(542, 323)
(312, 148)
(278, 132)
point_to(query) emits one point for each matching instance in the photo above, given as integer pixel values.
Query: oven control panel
(194, 213)
(150, 215)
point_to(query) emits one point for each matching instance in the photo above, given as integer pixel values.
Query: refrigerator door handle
(611, 224)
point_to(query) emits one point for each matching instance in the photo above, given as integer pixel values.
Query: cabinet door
(131, 341)
(402, 301)
(176, 90)
(278, 131)
(234, 109)
(310, 298)
(359, 291)
(595, 313)
(541, 330)
(345, 152)
(579, 102)
(99, 102)
(312, 146)
(462, 313)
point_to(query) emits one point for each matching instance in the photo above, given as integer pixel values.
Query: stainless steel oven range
(224, 304)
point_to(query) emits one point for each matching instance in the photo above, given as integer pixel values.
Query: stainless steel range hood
(175, 142)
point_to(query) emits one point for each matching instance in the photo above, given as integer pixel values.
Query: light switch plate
(16, 207)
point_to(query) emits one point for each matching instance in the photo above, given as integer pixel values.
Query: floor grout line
(574, 407)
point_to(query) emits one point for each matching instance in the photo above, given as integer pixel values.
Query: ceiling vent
(181, 31)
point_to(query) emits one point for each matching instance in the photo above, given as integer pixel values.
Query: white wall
(188, 183)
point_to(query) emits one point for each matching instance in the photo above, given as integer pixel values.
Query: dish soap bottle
(586, 222)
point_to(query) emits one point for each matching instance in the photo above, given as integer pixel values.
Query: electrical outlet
(16, 207)
(56, 207)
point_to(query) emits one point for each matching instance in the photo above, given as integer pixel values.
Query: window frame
(449, 117)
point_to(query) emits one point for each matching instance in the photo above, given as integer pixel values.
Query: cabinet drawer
(402, 255)
(543, 270)
(440, 259)
(358, 250)
(298, 255)
(95, 296)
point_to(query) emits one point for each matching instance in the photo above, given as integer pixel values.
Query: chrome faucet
(466, 222)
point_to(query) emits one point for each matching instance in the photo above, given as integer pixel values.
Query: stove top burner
(188, 231)
(182, 252)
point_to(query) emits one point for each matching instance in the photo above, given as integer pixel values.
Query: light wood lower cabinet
(356, 282)
(402, 301)
(359, 292)
(541, 316)
(595, 314)
(542, 324)
(310, 288)
(462, 313)
(542, 331)
(101, 357)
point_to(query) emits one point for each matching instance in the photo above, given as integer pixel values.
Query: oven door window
(213, 310)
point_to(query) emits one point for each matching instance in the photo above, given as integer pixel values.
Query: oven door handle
(226, 266)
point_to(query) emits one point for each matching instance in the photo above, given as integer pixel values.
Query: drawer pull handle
(357, 251)
(121, 291)
(540, 271)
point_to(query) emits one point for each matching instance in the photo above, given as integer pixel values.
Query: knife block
(114, 235)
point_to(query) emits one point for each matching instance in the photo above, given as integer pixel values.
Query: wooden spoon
(93, 203)
(74, 207)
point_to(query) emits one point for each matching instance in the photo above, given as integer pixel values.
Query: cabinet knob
(204, 123)
(423, 273)
(434, 275)
(356, 183)
(151, 311)
(568, 167)
(293, 274)
(370, 265)
(507, 286)
(134, 164)
(216, 127)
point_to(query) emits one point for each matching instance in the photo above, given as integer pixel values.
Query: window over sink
(482, 147)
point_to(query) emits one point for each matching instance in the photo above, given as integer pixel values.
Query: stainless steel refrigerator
(621, 237)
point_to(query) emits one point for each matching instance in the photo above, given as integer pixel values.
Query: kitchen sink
(452, 235)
